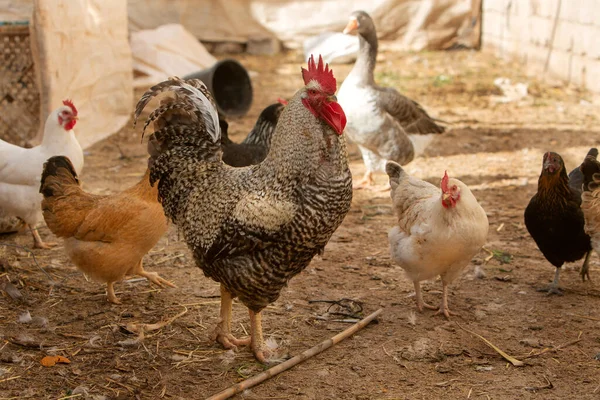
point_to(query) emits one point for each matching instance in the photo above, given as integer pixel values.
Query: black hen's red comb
(70, 104)
(320, 73)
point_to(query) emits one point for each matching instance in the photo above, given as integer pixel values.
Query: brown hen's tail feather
(59, 167)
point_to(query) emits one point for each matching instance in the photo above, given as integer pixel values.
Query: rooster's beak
(332, 98)
(352, 26)
(75, 117)
(446, 196)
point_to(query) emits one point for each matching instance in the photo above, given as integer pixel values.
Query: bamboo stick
(313, 351)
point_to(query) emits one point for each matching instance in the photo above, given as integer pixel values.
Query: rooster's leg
(110, 293)
(585, 268)
(222, 333)
(151, 276)
(553, 288)
(38, 243)
(261, 350)
(444, 306)
(419, 298)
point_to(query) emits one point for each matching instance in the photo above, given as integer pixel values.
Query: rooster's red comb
(444, 184)
(320, 73)
(70, 104)
(282, 101)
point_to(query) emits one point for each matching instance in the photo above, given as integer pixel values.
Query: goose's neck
(365, 62)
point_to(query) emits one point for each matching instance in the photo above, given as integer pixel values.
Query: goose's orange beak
(352, 26)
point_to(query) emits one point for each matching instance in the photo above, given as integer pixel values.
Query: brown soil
(495, 148)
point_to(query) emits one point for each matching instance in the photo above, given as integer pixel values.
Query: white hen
(21, 169)
(439, 230)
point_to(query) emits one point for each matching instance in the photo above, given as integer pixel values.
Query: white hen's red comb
(444, 184)
(70, 104)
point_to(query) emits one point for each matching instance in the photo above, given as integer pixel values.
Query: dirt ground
(495, 148)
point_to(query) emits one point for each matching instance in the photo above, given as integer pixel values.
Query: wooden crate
(19, 96)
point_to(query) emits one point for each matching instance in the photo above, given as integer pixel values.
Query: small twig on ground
(586, 317)
(510, 359)
(271, 372)
(32, 255)
(548, 385)
(129, 388)
(10, 379)
(553, 350)
(71, 396)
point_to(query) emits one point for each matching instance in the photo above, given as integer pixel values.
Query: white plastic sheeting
(83, 54)
(166, 51)
(413, 24)
(81, 50)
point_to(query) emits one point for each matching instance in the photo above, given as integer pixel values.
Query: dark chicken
(255, 147)
(555, 221)
(252, 228)
(590, 198)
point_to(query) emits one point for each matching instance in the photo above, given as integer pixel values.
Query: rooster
(590, 198)
(554, 218)
(20, 168)
(255, 147)
(105, 236)
(253, 228)
(439, 230)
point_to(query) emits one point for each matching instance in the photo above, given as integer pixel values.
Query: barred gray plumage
(251, 228)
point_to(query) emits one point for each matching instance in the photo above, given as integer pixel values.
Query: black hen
(554, 218)
(255, 147)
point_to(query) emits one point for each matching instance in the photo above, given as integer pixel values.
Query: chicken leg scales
(585, 268)
(444, 306)
(553, 288)
(38, 243)
(419, 298)
(222, 333)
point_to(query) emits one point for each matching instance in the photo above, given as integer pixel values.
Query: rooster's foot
(229, 341)
(265, 355)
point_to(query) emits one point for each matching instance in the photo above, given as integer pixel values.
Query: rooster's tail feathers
(193, 97)
(61, 167)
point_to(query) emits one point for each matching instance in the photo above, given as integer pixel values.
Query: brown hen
(105, 236)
